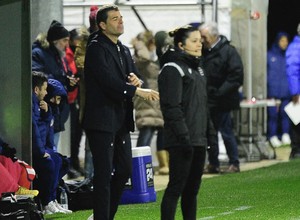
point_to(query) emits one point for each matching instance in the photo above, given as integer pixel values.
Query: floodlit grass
(271, 193)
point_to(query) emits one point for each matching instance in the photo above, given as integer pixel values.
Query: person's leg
(180, 163)
(122, 170)
(45, 169)
(56, 137)
(162, 154)
(285, 123)
(295, 141)
(230, 142)
(191, 189)
(145, 136)
(213, 151)
(88, 161)
(102, 148)
(272, 121)
(160, 139)
(57, 165)
(76, 133)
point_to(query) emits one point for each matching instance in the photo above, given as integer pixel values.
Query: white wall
(156, 17)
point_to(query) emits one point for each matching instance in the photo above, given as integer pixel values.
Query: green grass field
(262, 194)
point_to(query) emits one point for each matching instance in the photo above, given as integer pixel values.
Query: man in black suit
(111, 82)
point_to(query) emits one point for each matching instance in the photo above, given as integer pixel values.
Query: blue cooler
(140, 187)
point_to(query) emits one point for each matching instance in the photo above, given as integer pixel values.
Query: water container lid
(141, 151)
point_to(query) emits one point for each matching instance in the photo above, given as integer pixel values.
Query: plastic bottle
(64, 199)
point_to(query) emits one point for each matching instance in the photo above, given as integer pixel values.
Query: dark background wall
(15, 71)
(284, 15)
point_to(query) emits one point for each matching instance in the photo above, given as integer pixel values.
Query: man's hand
(44, 105)
(73, 80)
(147, 94)
(134, 80)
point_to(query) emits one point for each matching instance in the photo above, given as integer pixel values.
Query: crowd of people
(181, 85)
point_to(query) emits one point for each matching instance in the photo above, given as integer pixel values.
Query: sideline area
(282, 155)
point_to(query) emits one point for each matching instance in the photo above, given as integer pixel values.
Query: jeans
(146, 134)
(223, 123)
(56, 137)
(186, 169)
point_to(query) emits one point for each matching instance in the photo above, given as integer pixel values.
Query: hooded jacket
(293, 65)
(183, 100)
(43, 122)
(224, 69)
(277, 82)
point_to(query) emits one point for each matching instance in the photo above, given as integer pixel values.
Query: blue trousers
(223, 123)
(278, 120)
(146, 134)
(49, 172)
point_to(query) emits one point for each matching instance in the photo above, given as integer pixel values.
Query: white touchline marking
(241, 208)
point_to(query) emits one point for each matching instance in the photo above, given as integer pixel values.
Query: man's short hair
(298, 29)
(38, 79)
(102, 13)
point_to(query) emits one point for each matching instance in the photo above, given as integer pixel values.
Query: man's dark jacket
(108, 105)
(225, 75)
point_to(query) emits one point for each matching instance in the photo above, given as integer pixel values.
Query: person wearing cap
(110, 83)
(293, 74)
(48, 56)
(92, 18)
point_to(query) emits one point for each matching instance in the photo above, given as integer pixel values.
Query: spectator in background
(73, 100)
(183, 100)
(148, 117)
(293, 73)
(278, 89)
(92, 19)
(49, 165)
(162, 42)
(48, 56)
(79, 60)
(224, 69)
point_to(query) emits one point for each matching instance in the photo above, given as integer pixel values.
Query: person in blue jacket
(278, 89)
(49, 165)
(293, 73)
(48, 56)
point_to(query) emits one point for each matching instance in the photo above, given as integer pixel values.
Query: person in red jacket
(16, 175)
(73, 99)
